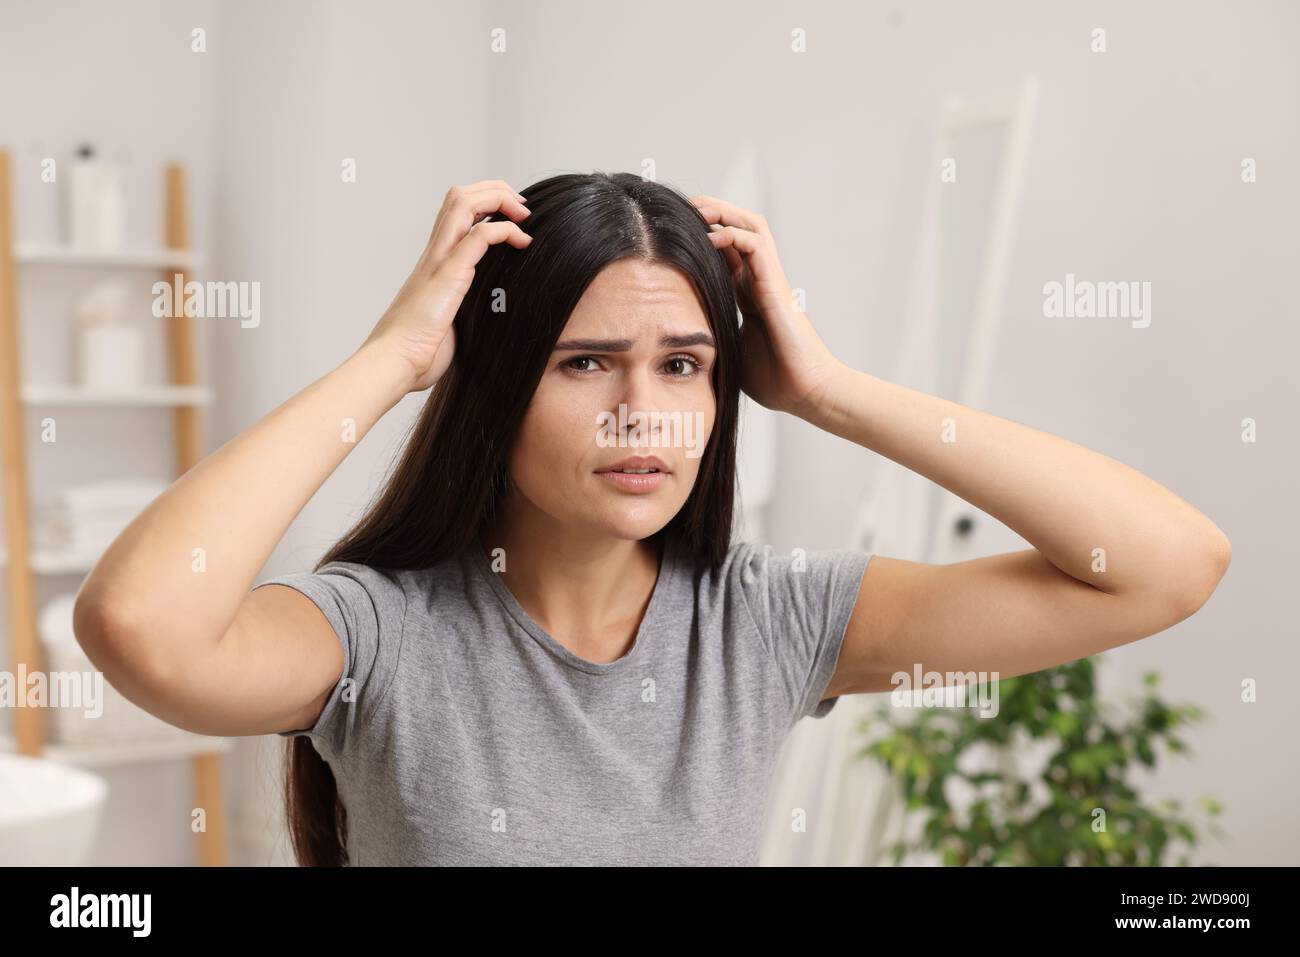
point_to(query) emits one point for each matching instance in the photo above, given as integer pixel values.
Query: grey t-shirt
(461, 733)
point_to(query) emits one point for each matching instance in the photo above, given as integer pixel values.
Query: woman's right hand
(417, 326)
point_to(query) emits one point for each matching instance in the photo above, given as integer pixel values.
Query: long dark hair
(453, 472)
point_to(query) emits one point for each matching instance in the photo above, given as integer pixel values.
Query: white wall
(1133, 175)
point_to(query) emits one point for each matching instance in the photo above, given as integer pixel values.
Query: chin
(635, 524)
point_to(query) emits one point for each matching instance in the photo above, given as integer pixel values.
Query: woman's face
(638, 339)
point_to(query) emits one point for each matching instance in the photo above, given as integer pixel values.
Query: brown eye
(693, 366)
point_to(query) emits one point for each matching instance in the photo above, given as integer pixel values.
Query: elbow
(1222, 552)
(102, 627)
(1205, 565)
(118, 645)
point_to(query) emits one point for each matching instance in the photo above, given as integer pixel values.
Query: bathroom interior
(287, 158)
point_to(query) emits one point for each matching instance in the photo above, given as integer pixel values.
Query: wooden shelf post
(24, 650)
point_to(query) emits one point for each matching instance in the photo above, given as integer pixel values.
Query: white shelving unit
(44, 254)
(129, 753)
(162, 395)
(19, 561)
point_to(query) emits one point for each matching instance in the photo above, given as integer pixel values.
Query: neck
(587, 589)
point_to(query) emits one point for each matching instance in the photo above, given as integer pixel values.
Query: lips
(635, 462)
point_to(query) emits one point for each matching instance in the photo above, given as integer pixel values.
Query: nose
(642, 394)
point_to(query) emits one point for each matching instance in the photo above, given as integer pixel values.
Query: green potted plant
(1075, 807)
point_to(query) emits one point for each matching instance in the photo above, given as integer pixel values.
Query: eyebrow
(623, 345)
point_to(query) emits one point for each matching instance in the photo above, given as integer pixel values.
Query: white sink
(49, 812)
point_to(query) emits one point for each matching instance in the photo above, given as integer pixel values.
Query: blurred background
(927, 169)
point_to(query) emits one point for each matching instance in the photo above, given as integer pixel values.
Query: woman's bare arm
(1074, 505)
(166, 613)
(1116, 555)
(156, 609)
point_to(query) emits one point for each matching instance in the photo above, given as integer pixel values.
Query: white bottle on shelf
(96, 206)
(112, 211)
(110, 346)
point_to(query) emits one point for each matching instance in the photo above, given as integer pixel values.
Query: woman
(539, 645)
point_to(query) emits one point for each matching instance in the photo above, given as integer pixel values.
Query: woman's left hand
(785, 364)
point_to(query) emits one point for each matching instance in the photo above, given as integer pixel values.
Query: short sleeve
(367, 609)
(801, 603)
